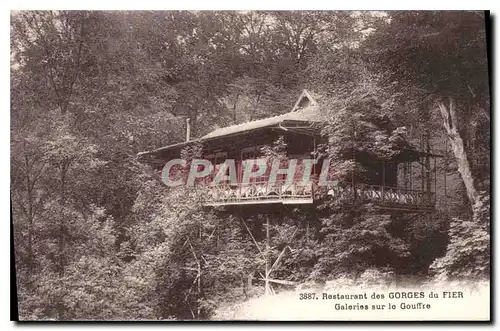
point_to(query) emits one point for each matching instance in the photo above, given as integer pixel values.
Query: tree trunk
(451, 125)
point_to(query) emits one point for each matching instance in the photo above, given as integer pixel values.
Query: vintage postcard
(250, 165)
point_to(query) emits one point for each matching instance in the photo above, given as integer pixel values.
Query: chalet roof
(309, 114)
(305, 109)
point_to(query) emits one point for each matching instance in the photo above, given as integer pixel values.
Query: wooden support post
(251, 236)
(383, 182)
(435, 176)
(422, 173)
(411, 176)
(267, 256)
(428, 178)
(445, 171)
(406, 175)
(315, 158)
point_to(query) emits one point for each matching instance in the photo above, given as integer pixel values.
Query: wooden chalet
(390, 184)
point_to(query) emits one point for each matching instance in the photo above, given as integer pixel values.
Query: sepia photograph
(290, 165)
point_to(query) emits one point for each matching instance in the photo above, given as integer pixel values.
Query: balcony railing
(260, 192)
(384, 196)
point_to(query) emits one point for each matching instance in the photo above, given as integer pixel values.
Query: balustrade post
(383, 182)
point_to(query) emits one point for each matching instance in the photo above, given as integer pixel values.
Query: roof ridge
(252, 121)
(307, 114)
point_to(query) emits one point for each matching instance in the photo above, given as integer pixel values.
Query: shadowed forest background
(98, 236)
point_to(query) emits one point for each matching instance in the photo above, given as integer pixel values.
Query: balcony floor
(284, 201)
(382, 197)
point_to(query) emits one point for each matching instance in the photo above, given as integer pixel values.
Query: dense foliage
(98, 236)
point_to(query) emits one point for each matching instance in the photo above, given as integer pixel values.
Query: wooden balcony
(261, 192)
(385, 197)
(258, 193)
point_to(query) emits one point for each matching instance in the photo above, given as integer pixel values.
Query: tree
(441, 56)
(439, 60)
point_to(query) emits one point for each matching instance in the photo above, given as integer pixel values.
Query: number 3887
(307, 296)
